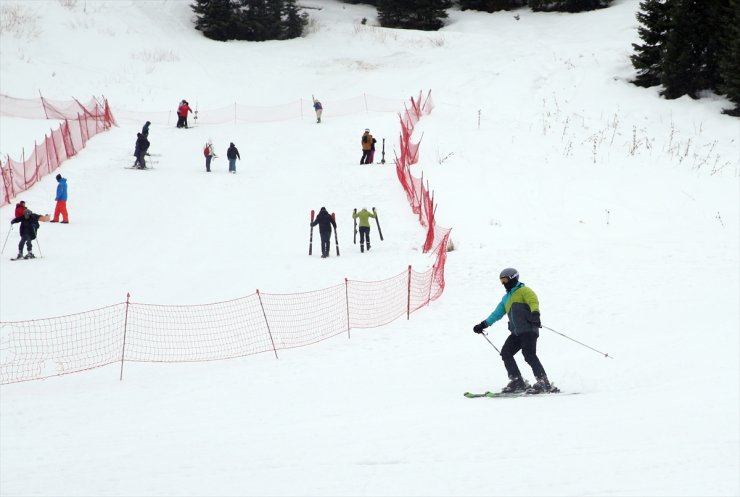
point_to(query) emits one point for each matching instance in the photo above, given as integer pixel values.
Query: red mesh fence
(257, 323)
(80, 123)
(31, 350)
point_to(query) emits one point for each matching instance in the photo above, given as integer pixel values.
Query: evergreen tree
(567, 5)
(293, 20)
(691, 55)
(648, 57)
(491, 5)
(259, 20)
(215, 19)
(729, 59)
(426, 15)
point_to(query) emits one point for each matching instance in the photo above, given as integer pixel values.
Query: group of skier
(326, 222)
(519, 303)
(29, 221)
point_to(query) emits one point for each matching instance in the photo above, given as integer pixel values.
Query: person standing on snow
(521, 305)
(325, 222)
(209, 154)
(364, 215)
(142, 145)
(61, 199)
(29, 225)
(182, 114)
(318, 108)
(368, 143)
(232, 154)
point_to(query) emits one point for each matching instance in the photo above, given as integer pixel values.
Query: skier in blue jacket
(61, 199)
(521, 305)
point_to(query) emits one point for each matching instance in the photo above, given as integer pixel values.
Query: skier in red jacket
(182, 114)
(20, 208)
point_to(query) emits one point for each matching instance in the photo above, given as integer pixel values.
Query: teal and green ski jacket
(364, 215)
(519, 303)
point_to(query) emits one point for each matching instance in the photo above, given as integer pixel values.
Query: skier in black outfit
(325, 222)
(142, 145)
(29, 224)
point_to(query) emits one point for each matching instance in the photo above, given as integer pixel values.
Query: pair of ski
(377, 223)
(310, 239)
(508, 395)
(22, 258)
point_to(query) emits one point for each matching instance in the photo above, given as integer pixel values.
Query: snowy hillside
(620, 209)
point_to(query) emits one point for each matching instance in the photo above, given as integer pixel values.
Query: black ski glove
(478, 328)
(535, 320)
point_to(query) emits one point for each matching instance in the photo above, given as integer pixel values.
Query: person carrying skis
(61, 199)
(182, 114)
(521, 305)
(209, 154)
(29, 226)
(364, 216)
(142, 145)
(325, 222)
(368, 143)
(318, 108)
(232, 153)
(145, 129)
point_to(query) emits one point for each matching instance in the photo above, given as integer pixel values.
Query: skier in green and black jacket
(523, 308)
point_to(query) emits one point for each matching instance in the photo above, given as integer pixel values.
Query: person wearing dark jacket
(142, 145)
(325, 222)
(29, 224)
(232, 153)
(521, 305)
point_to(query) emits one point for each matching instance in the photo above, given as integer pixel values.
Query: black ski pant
(208, 163)
(365, 159)
(364, 235)
(325, 242)
(527, 343)
(25, 239)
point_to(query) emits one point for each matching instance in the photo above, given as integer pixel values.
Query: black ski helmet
(509, 277)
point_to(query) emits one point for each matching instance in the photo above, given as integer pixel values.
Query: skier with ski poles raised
(364, 216)
(325, 222)
(521, 305)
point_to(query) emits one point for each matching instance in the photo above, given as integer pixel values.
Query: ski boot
(368, 247)
(29, 256)
(20, 256)
(362, 248)
(542, 385)
(517, 384)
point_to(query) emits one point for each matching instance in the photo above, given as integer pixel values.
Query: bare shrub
(18, 21)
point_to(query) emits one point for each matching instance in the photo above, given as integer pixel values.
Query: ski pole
(355, 220)
(6, 239)
(382, 160)
(310, 239)
(336, 239)
(485, 335)
(580, 343)
(377, 223)
(38, 244)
